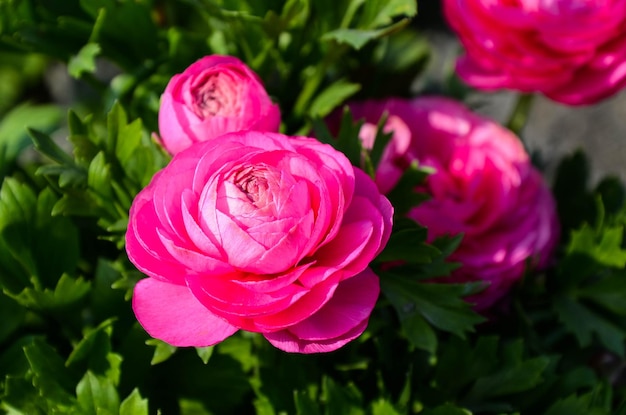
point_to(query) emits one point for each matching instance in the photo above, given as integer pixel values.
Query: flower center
(215, 95)
(251, 182)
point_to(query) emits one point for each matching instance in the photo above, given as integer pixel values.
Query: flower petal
(171, 313)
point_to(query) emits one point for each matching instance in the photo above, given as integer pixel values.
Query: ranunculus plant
(177, 246)
(483, 186)
(260, 232)
(572, 51)
(215, 95)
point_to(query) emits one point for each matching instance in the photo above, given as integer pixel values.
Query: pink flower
(260, 232)
(573, 51)
(484, 186)
(214, 96)
(395, 158)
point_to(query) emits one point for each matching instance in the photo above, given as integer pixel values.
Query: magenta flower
(573, 51)
(260, 232)
(484, 186)
(395, 158)
(214, 96)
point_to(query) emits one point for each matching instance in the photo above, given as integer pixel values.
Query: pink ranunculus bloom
(573, 51)
(214, 96)
(395, 158)
(484, 186)
(261, 232)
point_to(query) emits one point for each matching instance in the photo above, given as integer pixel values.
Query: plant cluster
(448, 334)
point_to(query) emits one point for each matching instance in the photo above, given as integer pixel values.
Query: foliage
(69, 342)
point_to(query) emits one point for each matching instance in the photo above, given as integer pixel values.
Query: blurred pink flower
(395, 158)
(214, 96)
(260, 232)
(484, 186)
(573, 51)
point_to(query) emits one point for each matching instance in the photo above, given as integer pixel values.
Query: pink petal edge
(172, 314)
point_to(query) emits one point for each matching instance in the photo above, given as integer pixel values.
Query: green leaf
(99, 176)
(84, 61)
(576, 405)
(606, 248)
(134, 404)
(356, 38)
(97, 395)
(13, 127)
(204, 353)
(46, 146)
(404, 196)
(162, 351)
(347, 139)
(331, 97)
(439, 304)
(409, 245)
(382, 12)
(67, 293)
(38, 245)
(94, 348)
(583, 322)
(53, 380)
(383, 407)
(341, 399)
(447, 409)
(14, 316)
(305, 405)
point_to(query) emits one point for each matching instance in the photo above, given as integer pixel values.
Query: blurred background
(553, 130)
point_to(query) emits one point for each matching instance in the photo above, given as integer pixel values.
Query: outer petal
(171, 313)
(341, 320)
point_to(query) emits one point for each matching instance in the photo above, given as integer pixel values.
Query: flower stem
(519, 115)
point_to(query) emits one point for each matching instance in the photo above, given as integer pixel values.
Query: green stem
(519, 115)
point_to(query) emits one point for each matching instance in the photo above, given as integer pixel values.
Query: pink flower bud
(214, 96)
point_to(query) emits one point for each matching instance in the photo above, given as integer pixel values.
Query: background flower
(261, 232)
(215, 95)
(484, 186)
(574, 52)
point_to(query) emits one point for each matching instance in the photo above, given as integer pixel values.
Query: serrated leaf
(134, 404)
(97, 395)
(605, 245)
(94, 346)
(51, 377)
(68, 292)
(440, 304)
(162, 351)
(84, 61)
(21, 396)
(583, 322)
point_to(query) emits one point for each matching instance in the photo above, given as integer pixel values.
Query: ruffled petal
(171, 313)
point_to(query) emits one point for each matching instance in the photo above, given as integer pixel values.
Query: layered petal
(171, 313)
(551, 47)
